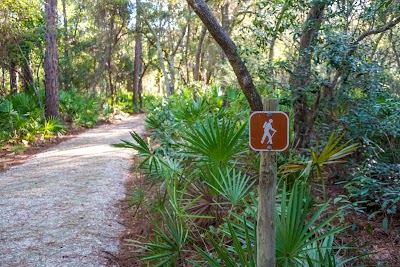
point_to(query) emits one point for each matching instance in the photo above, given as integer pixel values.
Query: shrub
(82, 111)
(376, 184)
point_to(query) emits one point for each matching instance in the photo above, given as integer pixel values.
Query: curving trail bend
(58, 208)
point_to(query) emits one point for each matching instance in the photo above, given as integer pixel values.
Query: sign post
(269, 132)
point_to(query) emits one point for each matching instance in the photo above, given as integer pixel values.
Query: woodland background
(333, 64)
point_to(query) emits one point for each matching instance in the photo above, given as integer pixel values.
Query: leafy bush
(167, 247)
(124, 102)
(376, 184)
(82, 111)
(203, 173)
(302, 238)
(374, 120)
(22, 119)
(215, 141)
(332, 153)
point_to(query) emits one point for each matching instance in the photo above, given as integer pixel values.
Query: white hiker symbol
(267, 128)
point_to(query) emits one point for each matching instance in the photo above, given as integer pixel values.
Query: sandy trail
(58, 208)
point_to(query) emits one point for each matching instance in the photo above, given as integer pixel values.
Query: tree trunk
(162, 65)
(222, 38)
(277, 26)
(138, 58)
(225, 22)
(171, 65)
(110, 80)
(3, 81)
(51, 60)
(171, 60)
(300, 78)
(13, 76)
(159, 50)
(187, 45)
(67, 66)
(141, 86)
(196, 74)
(27, 73)
(137, 67)
(396, 54)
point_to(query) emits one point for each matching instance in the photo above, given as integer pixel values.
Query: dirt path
(58, 208)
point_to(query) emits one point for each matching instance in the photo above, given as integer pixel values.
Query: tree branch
(353, 48)
(379, 30)
(222, 38)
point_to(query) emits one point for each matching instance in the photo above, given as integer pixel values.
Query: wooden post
(266, 231)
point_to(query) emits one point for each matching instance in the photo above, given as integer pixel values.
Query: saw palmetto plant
(332, 153)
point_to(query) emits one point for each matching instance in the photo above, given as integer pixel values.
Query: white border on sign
(266, 112)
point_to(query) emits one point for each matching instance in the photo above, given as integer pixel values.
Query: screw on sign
(269, 131)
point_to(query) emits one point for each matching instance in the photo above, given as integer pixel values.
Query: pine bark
(137, 64)
(51, 60)
(137, 68)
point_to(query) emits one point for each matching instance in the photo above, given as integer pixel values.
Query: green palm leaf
(214, 141)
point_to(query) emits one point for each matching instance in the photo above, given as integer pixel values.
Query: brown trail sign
(269, 131)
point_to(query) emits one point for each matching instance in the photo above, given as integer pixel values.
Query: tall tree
(222, 38)
(138, 57)
(197, 66)
(67, 60)
(301, 75)
(159, 50)
(13, 76)
(51, 60)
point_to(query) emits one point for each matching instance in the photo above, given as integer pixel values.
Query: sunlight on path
(57, 209)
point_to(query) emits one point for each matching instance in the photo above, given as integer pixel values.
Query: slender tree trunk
(187, 44)
(137, 67)
(101, 66)
(171, 65)
(13, 76)
(140, 92)
(51, 60)
(159, 50)
(141, 85)
(301, 75)
(394, 48)
(162, 66)
(225, 23)
(171, 61)
(376, 45)
(27, 73)
(197, 67)
(222, 38)
(111, 84)
(225, 20)
(3, 80)
(111, 40)
(277, 26)
(67, 66)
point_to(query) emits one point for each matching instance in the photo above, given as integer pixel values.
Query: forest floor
(72, 207)
(60, 207)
